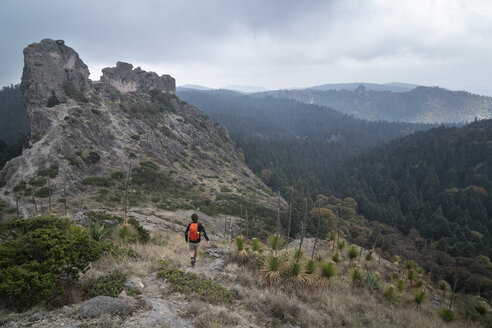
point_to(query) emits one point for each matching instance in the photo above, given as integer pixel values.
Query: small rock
(35, 317)
(218, 265)
(134, 283)
(122, 295)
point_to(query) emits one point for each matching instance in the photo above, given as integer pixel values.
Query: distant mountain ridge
(393, 87)
(419, 105)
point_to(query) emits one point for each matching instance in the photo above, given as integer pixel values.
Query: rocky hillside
(420, 105)
(86, 135)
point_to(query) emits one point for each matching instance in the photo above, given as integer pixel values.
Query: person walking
(193, 234)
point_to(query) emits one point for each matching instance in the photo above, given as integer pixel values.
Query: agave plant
(370, 281)
(272, 269)
(275, 242)
(98, 231)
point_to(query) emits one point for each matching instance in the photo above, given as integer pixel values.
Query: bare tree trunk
(317, 232)
(126, 190)
(49, 195)
(225, 227)
(278, 213)
(65, 199)
(247, 225)
(454, 291)
(17, 204)
(34, 200)
(290, 220)
(242, 220)
(302, 234)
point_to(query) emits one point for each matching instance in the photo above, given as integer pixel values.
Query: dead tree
(303, 231)
(317, 231)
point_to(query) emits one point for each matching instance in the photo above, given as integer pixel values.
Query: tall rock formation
(86, 134)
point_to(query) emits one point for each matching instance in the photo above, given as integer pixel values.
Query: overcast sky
(273, 44)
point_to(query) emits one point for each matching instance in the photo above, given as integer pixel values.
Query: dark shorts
(193, 246)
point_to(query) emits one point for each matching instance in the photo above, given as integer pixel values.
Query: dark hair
(194, 217)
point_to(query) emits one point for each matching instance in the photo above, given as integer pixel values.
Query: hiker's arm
(186, 232)
(204, 233)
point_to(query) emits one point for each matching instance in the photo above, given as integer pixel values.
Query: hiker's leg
(191, 249)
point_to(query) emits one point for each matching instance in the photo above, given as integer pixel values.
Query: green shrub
(135, 137)
(192, 284)
(336, 258)
(341, 244)
(37, 182)
(52, 171)
(111, 284)
(36, 254)
(96, 181)
(93, 157)
(43, 192)
(73, 161)
(20, 186)
(446, 314)
(400, 285)
(143, 234)
(118, 175)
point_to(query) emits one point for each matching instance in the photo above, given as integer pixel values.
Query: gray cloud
(275, 44)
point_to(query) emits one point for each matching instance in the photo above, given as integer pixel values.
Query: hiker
(193, 233)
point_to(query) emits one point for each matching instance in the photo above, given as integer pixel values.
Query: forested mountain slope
(288, 140)
(438, 182)
(422, 104)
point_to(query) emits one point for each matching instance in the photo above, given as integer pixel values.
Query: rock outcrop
(95, 130)
(126, 79)
(51, 71)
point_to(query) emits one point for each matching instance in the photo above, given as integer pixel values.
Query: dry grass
(166, 246)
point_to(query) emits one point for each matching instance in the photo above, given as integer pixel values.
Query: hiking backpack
(194, 234)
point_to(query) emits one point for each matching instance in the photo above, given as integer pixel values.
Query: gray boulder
(99, 305)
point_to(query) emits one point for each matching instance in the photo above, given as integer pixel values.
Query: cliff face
(130, 117)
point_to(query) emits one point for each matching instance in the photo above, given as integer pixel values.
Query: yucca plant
(276, 242)
(410, 275)
(256, 246)
(400, 285)
(419, 284)
(446, 314)
(98, 231)
(369, 256)
(443, 287)
(336, 258)
(341, 244)
(272, 269)
(295, 274)
(127, 233)
(328, 270)
(298, 254)
(332, 235)
(394, 276)
(356, 277)
(241, 252)
(419, 297)
(390, 293)
(396, 259)
(410, 264)
(352, 253)
(311, 267)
